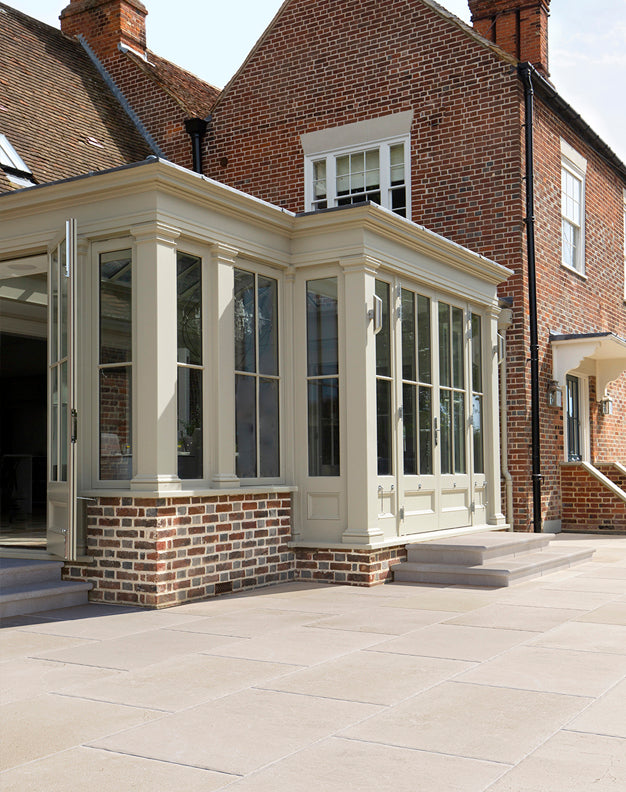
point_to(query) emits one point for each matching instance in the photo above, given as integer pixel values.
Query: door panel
(62, 435)
(430, 412)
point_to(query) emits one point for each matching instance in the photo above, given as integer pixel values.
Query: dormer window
(16, 170)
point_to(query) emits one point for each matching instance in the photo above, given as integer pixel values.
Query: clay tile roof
(55, 109)
(194, 96)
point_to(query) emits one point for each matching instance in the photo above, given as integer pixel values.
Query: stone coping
(187, 493)
(396, 540)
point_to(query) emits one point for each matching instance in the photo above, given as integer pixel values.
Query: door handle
(435, 432)
(74, 426)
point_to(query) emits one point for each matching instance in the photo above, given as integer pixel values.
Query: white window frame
(383, 147)
(575, 165)
(19, 173)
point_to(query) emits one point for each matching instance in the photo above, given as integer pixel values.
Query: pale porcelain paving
(340, 765)
(570, 762)
(108, 772)
(404, 687)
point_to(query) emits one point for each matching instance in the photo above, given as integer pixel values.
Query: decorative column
(223, 339)
(492, 421)
(154, 358)
(359, 374)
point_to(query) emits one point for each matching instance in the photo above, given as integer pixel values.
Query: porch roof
(602, 355)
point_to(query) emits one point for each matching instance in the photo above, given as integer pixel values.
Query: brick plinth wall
(588, 505)
(352, 566)
(165, 551)
(612, 472)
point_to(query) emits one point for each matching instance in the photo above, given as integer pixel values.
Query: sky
(211, 38)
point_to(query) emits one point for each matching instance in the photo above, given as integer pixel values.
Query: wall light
(606, 405)
(555, 394)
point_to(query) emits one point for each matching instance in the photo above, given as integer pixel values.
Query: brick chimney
(519, 27)
(107, 23)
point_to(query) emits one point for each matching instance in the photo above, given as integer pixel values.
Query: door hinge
(74, 437)
(402, 512)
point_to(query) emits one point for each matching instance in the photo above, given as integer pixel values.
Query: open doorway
(23, 403)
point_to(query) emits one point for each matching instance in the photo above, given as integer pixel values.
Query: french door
(62, 415)
(430, 411)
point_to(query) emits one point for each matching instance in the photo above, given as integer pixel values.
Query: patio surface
(305, 687)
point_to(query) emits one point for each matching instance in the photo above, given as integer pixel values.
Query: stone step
(33, 586)
(494, 574)
(36, 597)
(21, 572)
(476, 549)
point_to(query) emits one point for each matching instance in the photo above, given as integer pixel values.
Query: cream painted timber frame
(156, 208)
(284, 349)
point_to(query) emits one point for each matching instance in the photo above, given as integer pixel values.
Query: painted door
(430, 405)
(62, 415)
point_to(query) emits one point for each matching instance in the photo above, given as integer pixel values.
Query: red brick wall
(569, 303)
(353, 566)
(588, 505)
(160, 552)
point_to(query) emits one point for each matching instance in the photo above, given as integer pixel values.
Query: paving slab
(16, 643)
(605, 716)
(249, 623)
(138, 650)
(337, 765)
(613, 613)
(369, 677)
(240, 733)
(46, 724)
(298, 646)
(25, 678)
(473, 721)
(551, 670)
(455, 642)
(384, 620)
(182, 682)
(586, 636)
(572, 762)
(76, 768)
(515, 617)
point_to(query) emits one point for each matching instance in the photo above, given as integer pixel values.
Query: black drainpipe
(525, 72)
(196, 128)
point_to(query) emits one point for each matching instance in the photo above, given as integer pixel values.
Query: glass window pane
(477, 423)
(445, 378)
(459, 433)
(245, 322)
(409, 419)
(245, 425)
(445, 417)
(423, 338)
(115, 307)
(54, 306)
(322, 340)
(383, 427)
(64, 437)
(458, 370)
(357, 162)
(115, 424)
(189, 308)
(477, 358)
(54, 426)
(396, 155)
(409, 364)
(63, 301)
(383, 339)
(323, 422)
(358, 182)
(342, 165)
(190, 448)
(425, 431)
(268, 325)
(269, 444)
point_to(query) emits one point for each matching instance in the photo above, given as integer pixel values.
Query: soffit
(602, 355)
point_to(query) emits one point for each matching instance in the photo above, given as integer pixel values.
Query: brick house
(291, 365)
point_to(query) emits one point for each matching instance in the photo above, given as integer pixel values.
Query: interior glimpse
(23, 388)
